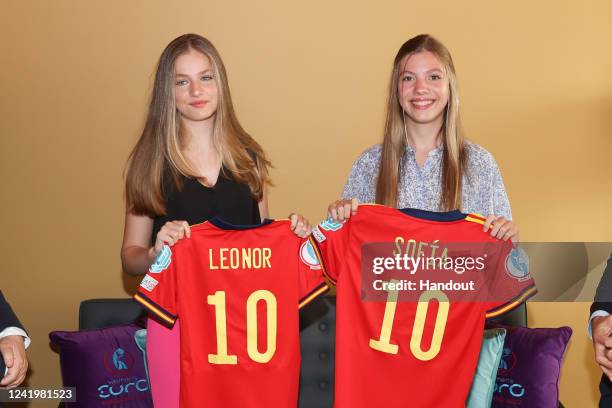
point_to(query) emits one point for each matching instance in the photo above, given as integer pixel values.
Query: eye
(207, 77)
(181, 82)
(407, 78)
(435, 77)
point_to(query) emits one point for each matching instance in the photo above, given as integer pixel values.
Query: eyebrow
(206, 71)
(427, 72)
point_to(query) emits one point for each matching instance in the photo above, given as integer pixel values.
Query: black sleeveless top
(195, 203)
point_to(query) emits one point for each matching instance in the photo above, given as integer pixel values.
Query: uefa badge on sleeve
(330, 225)
(162, 261)
(517, 264)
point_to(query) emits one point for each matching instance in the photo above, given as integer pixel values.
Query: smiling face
(195, 87)
(423, 88)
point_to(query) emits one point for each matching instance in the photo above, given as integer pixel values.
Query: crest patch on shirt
(308, 255)
(149, 283)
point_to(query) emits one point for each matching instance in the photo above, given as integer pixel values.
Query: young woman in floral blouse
(424, 161)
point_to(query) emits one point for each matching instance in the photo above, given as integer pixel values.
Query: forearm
(136, 260)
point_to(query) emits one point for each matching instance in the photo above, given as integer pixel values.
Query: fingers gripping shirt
(237, 292)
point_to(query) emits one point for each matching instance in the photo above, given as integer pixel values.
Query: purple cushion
(106, 367)
(528, 374)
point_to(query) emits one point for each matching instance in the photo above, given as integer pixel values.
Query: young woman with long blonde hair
(193, 161)
(424, 162)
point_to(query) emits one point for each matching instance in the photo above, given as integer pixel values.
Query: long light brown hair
(394, 142)
(157, 154)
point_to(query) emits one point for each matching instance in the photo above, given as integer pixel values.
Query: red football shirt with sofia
(237, 291)
(392, 353)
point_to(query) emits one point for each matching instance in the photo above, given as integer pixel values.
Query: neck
(424, 136)
(198, 134)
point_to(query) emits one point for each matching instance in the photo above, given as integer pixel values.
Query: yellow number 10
(384, 342)
(218, 301)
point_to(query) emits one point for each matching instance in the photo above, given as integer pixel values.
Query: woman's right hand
(341, 210)
(169, 234)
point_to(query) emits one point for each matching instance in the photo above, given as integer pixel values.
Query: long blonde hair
(157, 153)
(394, 142)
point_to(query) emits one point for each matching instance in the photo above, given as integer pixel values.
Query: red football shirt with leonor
(237, 291)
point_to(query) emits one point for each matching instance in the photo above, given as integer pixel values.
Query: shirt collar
(438, 150)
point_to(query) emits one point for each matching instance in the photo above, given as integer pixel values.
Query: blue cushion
(141, 341)
(483, 385)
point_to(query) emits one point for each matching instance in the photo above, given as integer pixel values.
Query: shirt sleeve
(158, 290)
(510, 283)
(311, 281)
(361, 182)
(331, 246)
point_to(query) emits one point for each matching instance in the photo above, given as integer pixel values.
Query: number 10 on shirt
(222, 357)
(384, 344)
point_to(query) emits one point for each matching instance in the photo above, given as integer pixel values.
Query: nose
(195, 88)
(420, 86)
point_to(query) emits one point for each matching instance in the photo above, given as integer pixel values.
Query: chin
(424, 117)
(198, 117)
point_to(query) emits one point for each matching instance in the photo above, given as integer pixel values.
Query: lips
(198, 104)
(422, 103)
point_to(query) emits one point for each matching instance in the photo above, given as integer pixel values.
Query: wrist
(16, 337)
(151, 254)
(15, 332)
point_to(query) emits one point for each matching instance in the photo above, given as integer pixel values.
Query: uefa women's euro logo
(126, 386)
(507, 389)
(118, 362)
(507, 362)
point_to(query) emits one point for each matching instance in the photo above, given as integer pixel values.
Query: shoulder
(479, 157)
(370, 156)
(361, 182)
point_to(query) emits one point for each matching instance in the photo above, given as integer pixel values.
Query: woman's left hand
(501, 228)
(300, 225)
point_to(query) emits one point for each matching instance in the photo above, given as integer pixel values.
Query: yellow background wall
(309, 81)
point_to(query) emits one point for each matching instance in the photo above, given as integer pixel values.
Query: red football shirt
(398, 353)
(237, 291)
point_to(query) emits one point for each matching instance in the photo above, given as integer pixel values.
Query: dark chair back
(101, 313)
(517, 317)
(317, 343)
